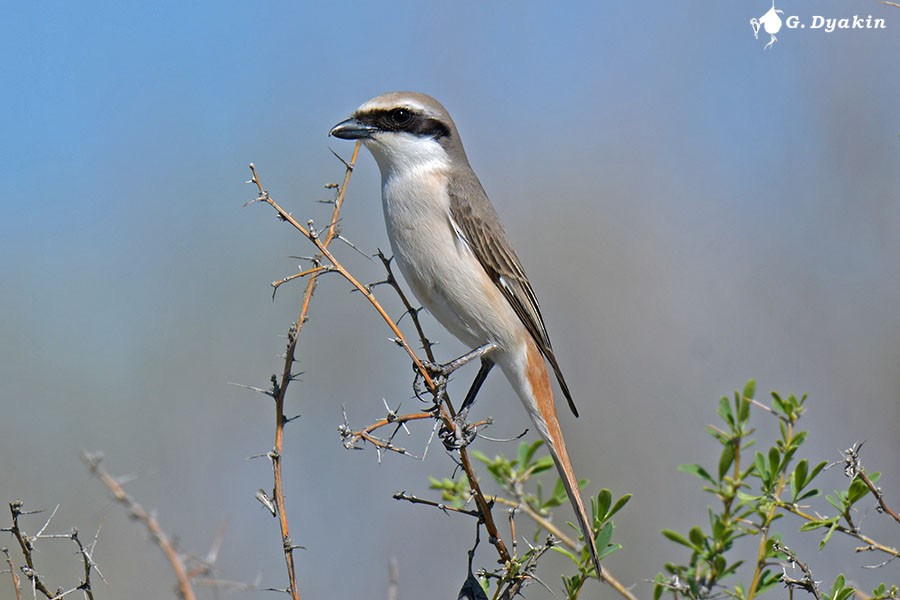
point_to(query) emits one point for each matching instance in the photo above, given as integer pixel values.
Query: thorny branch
(438, 505)
(136, 511)
(410, 310)
(350, 437)
(12, 572)
(279, 387)
(806, 582)
(27, 544)
(853, 469)
(871, 544)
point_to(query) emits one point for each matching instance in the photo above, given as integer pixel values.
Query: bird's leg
(447, 369)
(486, 365)
(464, 432)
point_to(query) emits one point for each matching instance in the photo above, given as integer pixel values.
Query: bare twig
(871, 544)
(525, 573)
(304, 273)
(876, 491)
(413, 312)
(280, 389)
(438, 505)
(89, 566)
(853, 469)
(806, 582)
(26, 545)
(136, 511)
(12, 572)
(393, 579)
(351, 437)
(543, 522)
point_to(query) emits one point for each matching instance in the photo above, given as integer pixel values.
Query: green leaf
(750, 388)
(544, 463)
(696, 536)
(828, 535)
(774, 461)
(730, 569)
(604, 500)
(807, 494)
(836, 500)
(766, 581)
(743, 410)
(857, 491)
(837, 587)
(817, 524)
(726, 460)
(816, 470)
(748, 498)
(761, 470)
(724, 410)
(658, 586)
(798, 477)
(845, 593)
(604, 536)
(609, 549)
(568, 553)
(480, 456)
(697, 470)
(559, 494)
(676, 537)
(621, 502)
(778, 403)
(717, 434)
(526, 453)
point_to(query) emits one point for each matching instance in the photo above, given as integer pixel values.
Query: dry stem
(279, 390)
(135, 510)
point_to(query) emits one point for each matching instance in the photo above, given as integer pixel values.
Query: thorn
(347, 165)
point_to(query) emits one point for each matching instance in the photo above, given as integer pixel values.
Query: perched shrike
(453, 252)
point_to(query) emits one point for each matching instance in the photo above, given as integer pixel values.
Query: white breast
(436, 262)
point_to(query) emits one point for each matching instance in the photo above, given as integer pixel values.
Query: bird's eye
(401, 116)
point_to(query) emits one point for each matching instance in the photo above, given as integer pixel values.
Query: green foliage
(517, 478)
(753, 491)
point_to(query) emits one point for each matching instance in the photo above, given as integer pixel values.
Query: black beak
(351, 129)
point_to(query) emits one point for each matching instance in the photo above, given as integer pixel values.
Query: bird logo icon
(770, 23)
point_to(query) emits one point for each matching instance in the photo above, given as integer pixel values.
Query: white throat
(403, 155)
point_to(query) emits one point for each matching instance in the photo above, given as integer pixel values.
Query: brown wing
(477, 222)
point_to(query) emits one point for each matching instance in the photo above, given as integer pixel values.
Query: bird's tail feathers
(537, 395)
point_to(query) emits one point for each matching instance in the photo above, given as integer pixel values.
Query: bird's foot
(437, 370)
(461, 434)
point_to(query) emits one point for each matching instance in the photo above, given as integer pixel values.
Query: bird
(454, 253)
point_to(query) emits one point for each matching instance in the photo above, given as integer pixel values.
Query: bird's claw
(460, 434)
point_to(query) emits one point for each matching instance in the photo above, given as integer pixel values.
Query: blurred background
(693, 210)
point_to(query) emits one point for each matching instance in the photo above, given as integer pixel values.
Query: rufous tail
(542, 410)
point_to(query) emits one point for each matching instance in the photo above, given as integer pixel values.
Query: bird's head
(402, 130)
